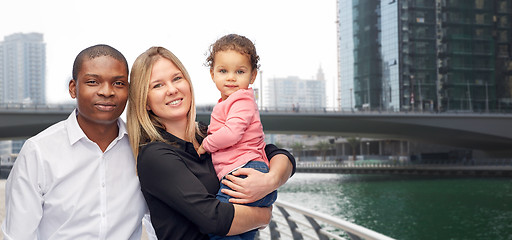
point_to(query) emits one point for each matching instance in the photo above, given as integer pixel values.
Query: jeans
(266, 201)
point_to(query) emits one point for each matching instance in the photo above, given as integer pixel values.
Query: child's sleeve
(239, 116)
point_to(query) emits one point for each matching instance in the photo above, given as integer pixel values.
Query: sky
(292, 37)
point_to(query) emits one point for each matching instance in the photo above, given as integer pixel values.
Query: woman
(179, 186)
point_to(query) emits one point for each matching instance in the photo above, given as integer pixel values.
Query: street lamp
(350, 98)
(261, 89)
(486, 98)
(412, 92)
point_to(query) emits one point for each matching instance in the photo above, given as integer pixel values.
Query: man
(77, 179)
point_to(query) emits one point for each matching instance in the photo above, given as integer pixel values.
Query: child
(235, 135)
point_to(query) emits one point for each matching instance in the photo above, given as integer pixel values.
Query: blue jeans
(266, 201)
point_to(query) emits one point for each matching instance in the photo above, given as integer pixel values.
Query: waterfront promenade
(490, 169)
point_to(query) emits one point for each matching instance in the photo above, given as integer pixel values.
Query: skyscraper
(22, 75)
(437, 55)
(295, 93)
(22, 69)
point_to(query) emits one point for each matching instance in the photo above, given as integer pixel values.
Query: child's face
(232, 71)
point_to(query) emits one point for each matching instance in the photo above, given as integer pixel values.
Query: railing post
(293, 226)
(274, 234)
(316, 227)
(352, 236)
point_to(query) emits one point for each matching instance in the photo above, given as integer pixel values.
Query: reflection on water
(408, 207)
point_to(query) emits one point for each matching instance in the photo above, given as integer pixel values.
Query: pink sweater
(235, 135)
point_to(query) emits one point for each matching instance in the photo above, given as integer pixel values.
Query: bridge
(487, 132)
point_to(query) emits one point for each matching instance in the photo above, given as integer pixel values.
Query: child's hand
(201, 150)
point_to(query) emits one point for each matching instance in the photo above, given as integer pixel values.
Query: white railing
(293, 222)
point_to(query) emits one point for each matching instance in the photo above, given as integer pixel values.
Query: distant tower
(23, 69)
(294, 93)
(22, 75)
(320, 75)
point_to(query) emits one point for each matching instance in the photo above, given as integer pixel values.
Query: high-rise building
(295, 93)
(22, 76)
(22, 69)
(437, 55)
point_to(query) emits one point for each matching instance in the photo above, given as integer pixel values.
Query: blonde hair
(141, 123)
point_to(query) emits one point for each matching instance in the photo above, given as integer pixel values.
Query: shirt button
(102, 184)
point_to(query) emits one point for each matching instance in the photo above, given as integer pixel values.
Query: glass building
(425, 55)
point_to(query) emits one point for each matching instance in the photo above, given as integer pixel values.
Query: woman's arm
(258, 184)
(248, 218)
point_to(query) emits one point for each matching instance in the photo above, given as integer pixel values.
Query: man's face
(101, 90)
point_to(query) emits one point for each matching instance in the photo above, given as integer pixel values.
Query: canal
(410, 207)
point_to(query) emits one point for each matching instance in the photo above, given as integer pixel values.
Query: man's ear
(72, 88)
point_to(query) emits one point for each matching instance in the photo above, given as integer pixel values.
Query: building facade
(22, 69)
(293, 93)
(425, 55)
(22, 76)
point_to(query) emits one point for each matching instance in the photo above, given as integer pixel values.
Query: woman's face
(169, 95)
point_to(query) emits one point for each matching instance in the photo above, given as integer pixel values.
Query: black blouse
(180, 188)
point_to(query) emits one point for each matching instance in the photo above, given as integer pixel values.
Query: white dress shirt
(62, 186)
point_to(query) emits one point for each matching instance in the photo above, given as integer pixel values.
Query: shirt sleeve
(23, 195)
(164, 175)
(271, 150)
(239, 117)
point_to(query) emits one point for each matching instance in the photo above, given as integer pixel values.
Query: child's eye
(240, 72)
(223, 71)
(177, 78)
(157, 85)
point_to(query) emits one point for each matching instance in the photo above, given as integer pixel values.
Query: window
(479, 4)
(479, 18)
(503, 36)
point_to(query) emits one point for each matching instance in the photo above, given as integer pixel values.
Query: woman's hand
(247, 190)
(257, 184)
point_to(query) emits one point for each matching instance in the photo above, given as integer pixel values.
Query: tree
(353, 142)
(297, 149)
(322, 147)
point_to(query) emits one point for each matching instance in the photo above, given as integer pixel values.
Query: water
(408, 207)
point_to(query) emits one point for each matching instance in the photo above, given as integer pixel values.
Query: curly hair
(237, 43)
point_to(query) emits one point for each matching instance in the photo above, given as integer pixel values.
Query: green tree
(353, 142)
(297, 149)
(323, 147)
